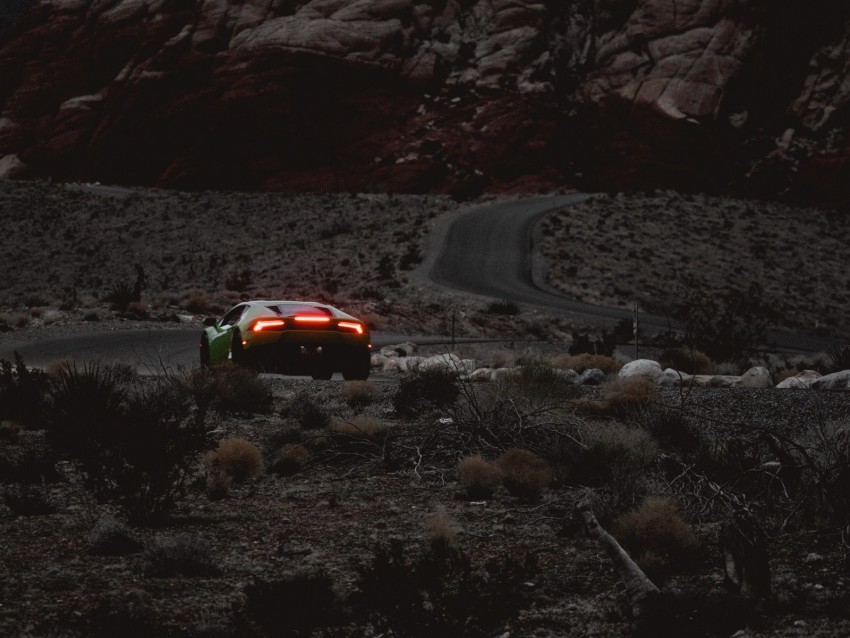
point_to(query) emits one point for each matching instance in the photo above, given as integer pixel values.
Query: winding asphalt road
(487, 251)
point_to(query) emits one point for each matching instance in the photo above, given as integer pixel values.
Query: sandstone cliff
(452, 95)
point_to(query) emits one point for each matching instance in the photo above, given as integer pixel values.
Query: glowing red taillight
(350, 325)
(268, 324)
(311, 319)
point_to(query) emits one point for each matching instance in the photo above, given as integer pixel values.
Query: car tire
(359, 367)
(237, 352)
(323, 375)
(205, 352)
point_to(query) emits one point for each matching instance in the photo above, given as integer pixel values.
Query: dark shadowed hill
(447, 96)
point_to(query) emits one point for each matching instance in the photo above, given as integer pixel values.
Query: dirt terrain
(68, 250)
(357, 493)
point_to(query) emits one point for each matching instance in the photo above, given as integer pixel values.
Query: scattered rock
(801, 381)
(757, 377)
(591, 376)
(834, 381)
(645, 368)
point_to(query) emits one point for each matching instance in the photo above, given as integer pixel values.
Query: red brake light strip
(351, 326)
(265, 324)
(311, 319)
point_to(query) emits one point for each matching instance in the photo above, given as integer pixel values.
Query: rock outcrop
(454, 96)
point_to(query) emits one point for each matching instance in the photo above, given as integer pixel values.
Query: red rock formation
(454, 96)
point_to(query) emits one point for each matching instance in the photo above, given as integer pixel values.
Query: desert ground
(296, 536)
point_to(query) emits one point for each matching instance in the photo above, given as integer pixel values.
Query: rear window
(303, 310)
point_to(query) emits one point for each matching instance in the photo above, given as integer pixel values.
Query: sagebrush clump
(478, 476)
(425, 390)
(657, 536)
(365, 427)
(359, 394)
(524, 474)
(239, 458)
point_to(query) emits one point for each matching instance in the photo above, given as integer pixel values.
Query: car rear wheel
(205, 352)
(237, 352)
(358, 368)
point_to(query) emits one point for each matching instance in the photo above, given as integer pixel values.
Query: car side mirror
(210, 321)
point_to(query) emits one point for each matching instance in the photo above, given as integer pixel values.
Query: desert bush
(120, 295)
(524, 474)
(179, 556)
(687, 361)
(197, 302)
(539, 380)
(442, 532)
(629, 399)
(359, 394)
(438, 593)
(239, 389)
(586, 361)
(293, 605)
(421, 391)
(309, 414)
(727, 325)
(29, 500)
(134, 443)
(22, 392)
(610, 451)
(478, 476)
(365, 427)
(111, 537)
(670, 427)
(238, 458)
(656, 536)
(290, 459)
(839, 359)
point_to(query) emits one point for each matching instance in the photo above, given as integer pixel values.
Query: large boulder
(757, 377)
(644, 368)
(834, 381)
(800, 381)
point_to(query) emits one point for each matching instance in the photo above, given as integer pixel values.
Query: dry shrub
(625, 399)
(442, 531)
(688, 361)
(291, 459)
(478, 476)
(197, 302)
(524, 474)
(612, 454)
(359, 394)
(657, 536)
(587, 361)
(309, 414)
(364, 427)
(239, 458)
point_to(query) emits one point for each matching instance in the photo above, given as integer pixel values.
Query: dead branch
(641, 591)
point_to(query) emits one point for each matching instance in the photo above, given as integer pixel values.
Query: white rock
(481, 374)
(671, 377)
(716, 381)
(757, 377)
(800, 381)
(834, 381)
(646, 368)
(591, 376)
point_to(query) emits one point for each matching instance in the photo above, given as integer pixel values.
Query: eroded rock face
(428, 96)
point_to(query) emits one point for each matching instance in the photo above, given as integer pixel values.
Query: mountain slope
(447, 96)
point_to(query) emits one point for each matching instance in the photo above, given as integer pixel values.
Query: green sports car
(291, 337)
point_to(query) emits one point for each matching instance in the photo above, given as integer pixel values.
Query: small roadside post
(635, 321)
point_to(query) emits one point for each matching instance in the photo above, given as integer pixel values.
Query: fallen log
(642, 592)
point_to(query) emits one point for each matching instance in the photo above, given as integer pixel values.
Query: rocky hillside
(458, 96)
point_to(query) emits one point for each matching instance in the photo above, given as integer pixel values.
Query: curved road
(489, 250)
